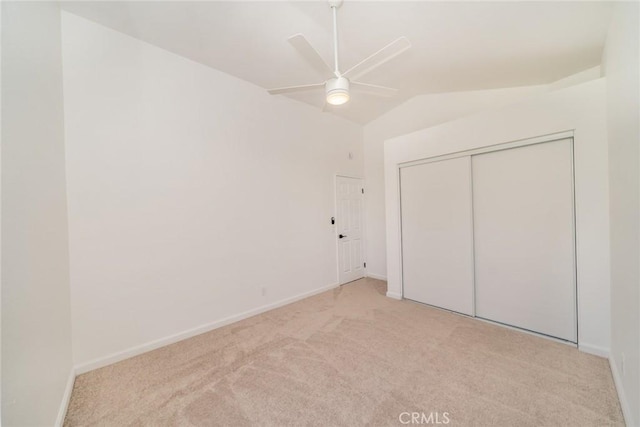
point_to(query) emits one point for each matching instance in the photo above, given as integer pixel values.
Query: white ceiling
(456, 45)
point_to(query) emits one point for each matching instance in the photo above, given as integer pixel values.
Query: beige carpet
(352, 357)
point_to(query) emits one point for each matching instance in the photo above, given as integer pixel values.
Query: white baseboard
(377, 276)
(594, 349)
(152, 345)
(394, 295)
(624, 404)
(66, 398)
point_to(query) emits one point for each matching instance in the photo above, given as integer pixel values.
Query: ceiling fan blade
(375, 89)
(388, 52)
(312, 56)
(291, 89)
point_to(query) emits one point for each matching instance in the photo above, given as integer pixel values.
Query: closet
(491, 234)
(437, 234)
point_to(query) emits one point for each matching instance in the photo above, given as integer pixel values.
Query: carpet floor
(350, 357)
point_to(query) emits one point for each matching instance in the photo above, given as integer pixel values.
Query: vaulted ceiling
(456, 45)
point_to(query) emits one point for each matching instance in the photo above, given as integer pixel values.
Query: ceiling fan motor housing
(337, 90)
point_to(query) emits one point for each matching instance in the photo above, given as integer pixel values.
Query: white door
(524, 238)
(349, 231)
(437, 234)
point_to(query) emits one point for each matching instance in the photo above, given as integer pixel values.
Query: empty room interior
(328, 213)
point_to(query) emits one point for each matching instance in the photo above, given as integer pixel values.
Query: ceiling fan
(338, 85)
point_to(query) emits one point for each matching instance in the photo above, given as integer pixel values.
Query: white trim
(574, 219)
(335, 225)
(528, 332)
(596, 350)
(491, 148)
(399, 254)
(617, 381)
(152, 345)
(394, 295)
(341, 175)
(473, 239)
(66, 398)
(376, 276)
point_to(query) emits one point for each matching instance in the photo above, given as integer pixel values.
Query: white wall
(36, 324)
(623, 108)
(580, 108)
(417, 113)
(189, 190)
(577, 78)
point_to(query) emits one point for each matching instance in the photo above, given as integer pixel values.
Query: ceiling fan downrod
(335, 5)
(337, 89)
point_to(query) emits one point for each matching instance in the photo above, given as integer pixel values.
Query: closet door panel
(524, 238)
(437, 235)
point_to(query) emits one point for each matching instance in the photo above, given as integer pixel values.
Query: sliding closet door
(437, 237)
(524, 238)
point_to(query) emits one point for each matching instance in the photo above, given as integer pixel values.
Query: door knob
(341, 236)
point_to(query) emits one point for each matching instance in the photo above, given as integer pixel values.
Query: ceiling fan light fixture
(337, 91)
(338, 97)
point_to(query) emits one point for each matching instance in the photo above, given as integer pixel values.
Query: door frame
(488, 149)
(335, 226)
